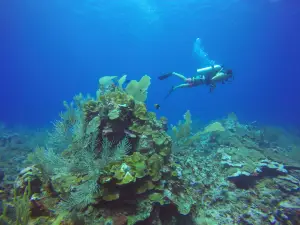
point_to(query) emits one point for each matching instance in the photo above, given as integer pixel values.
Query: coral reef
(239, 178)
(108, 160)
(15, 144)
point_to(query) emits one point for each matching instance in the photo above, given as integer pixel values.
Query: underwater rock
(243, 180)
(226, 161)
(266, 168)
(11, 140)
(269, 168)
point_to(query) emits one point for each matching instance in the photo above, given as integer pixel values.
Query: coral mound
(107, 161)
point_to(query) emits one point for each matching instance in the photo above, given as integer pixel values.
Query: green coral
(157, 197)
(121, 81)
(183, 129)
(106, 80)
(213, 127)
(155, 164)
(116, 98)
(133, 167)
(114, 114)
(141, 129)
(110, 194)
(90, 110)
(98, 167)
(22, 206)
(145, 186)
(182, 133)
(166, 150)
(3, 218)
(128, 178)
(137, 164)
(159, 138)
(140, 111)
(139, 89)
(143, 211)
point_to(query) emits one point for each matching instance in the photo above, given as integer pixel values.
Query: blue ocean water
(52, 50)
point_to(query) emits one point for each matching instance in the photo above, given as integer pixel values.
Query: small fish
(156, 106)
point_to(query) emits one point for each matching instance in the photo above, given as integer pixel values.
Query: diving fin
(170, 92)
(165, 76)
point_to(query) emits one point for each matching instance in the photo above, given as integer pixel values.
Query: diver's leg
(179, 75)
(167, 75)
(181, 86)
(176, 87)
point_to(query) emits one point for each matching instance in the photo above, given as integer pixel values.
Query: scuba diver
(209, 75)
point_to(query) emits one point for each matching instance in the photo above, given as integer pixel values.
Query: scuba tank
(221, 77)
(209, 69)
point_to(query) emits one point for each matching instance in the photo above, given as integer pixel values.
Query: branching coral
(93, 165)
(61, 135)
(50, 161)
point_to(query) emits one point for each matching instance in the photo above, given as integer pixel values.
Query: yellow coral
(121, 81)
